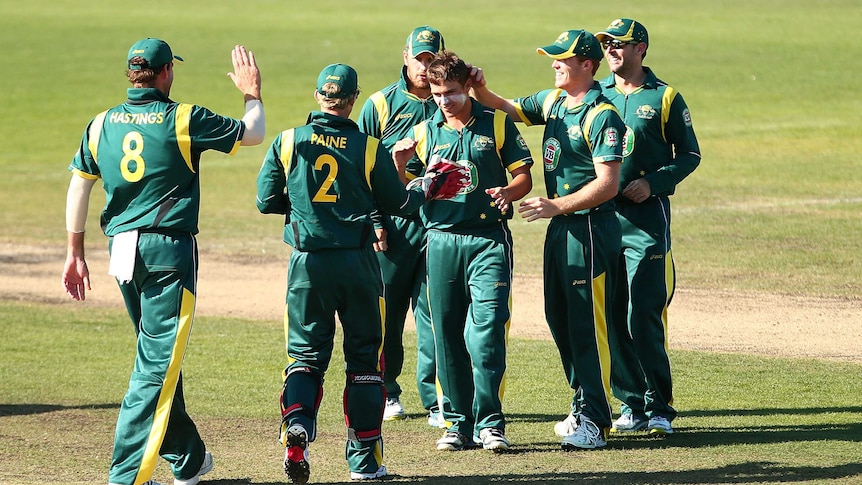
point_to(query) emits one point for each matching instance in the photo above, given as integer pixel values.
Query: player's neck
(630, 79)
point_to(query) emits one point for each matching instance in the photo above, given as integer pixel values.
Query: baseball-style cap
(625, 30)
(156, 52)
(424, 39)
(342, 76)
(573, 43)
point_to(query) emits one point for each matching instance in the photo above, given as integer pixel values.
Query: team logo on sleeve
(611, 137)
(686, 117)
(628, 142)
(522, 143)
(551, 154)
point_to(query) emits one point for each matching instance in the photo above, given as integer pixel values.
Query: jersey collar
(146, 95)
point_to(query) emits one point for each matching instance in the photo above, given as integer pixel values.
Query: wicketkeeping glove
(442, 180)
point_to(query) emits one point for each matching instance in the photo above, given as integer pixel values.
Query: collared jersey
(574, 138)
(660, 143)
(147, 153)
(328, 176)
(490, 145)
(391, 113)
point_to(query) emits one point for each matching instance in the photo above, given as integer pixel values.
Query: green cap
(424, 39)
(156, 52)
(342, 76)
(573, 43)
(625, 30)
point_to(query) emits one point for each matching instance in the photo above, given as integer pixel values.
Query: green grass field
(743, 419)
(774, 207)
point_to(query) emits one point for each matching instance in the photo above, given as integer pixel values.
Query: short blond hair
(326, 99)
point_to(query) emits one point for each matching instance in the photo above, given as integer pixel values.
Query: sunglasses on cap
(617, 44)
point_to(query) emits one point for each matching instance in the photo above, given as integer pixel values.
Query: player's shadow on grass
(29, 409)
(748, 472)
(705, 413)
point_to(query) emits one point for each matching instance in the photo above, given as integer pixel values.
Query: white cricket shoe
(628, 423)
(588, 436)
(296, 455)
(206, 467)
(659, 425)
(380, 473)
(567, 426)
(393, 411)
(494, 439)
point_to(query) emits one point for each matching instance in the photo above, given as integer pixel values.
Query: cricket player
(582, 153)
(147, 153)
(469, 254)
(390, 114)
(661, 149)
(327, 177)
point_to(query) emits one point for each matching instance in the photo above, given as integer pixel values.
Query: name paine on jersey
(155, 118)
(329, 140)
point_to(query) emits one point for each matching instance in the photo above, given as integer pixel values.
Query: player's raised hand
(402, 152)
(477, 77)
(245, 75)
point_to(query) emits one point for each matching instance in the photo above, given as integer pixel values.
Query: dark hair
(146, 75)
(447, 66)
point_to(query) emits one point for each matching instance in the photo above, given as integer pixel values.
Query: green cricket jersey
(328, 176)
(147, 151)
(391, 113)
(660, 144)
(581, 136)
(489, 144)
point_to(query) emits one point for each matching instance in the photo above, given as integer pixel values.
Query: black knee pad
(300, 399)
(364, 397)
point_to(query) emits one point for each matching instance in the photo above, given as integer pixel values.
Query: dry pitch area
(717, 321)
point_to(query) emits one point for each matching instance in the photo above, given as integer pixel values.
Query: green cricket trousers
(641, 376)
(320, 285)
(153, 421)
(581, 254)
(470, 298)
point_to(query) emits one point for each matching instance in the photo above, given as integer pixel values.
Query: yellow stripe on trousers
(166, 397)
(601, 324)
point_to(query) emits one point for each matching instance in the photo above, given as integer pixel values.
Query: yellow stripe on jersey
(169, 387)
(94, 133)
(499, 131)
(85, 175)
(666, 100)
(382, 108)
(549, 102)
(588, 120)
(600, 320)
(371, 145)
(182, 119)
(420, 134)
(286, 150)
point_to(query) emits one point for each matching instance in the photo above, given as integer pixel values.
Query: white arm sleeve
(255, 123)
(77, 202)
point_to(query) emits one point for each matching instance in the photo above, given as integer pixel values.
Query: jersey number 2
(132, 154)
(323, 194)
